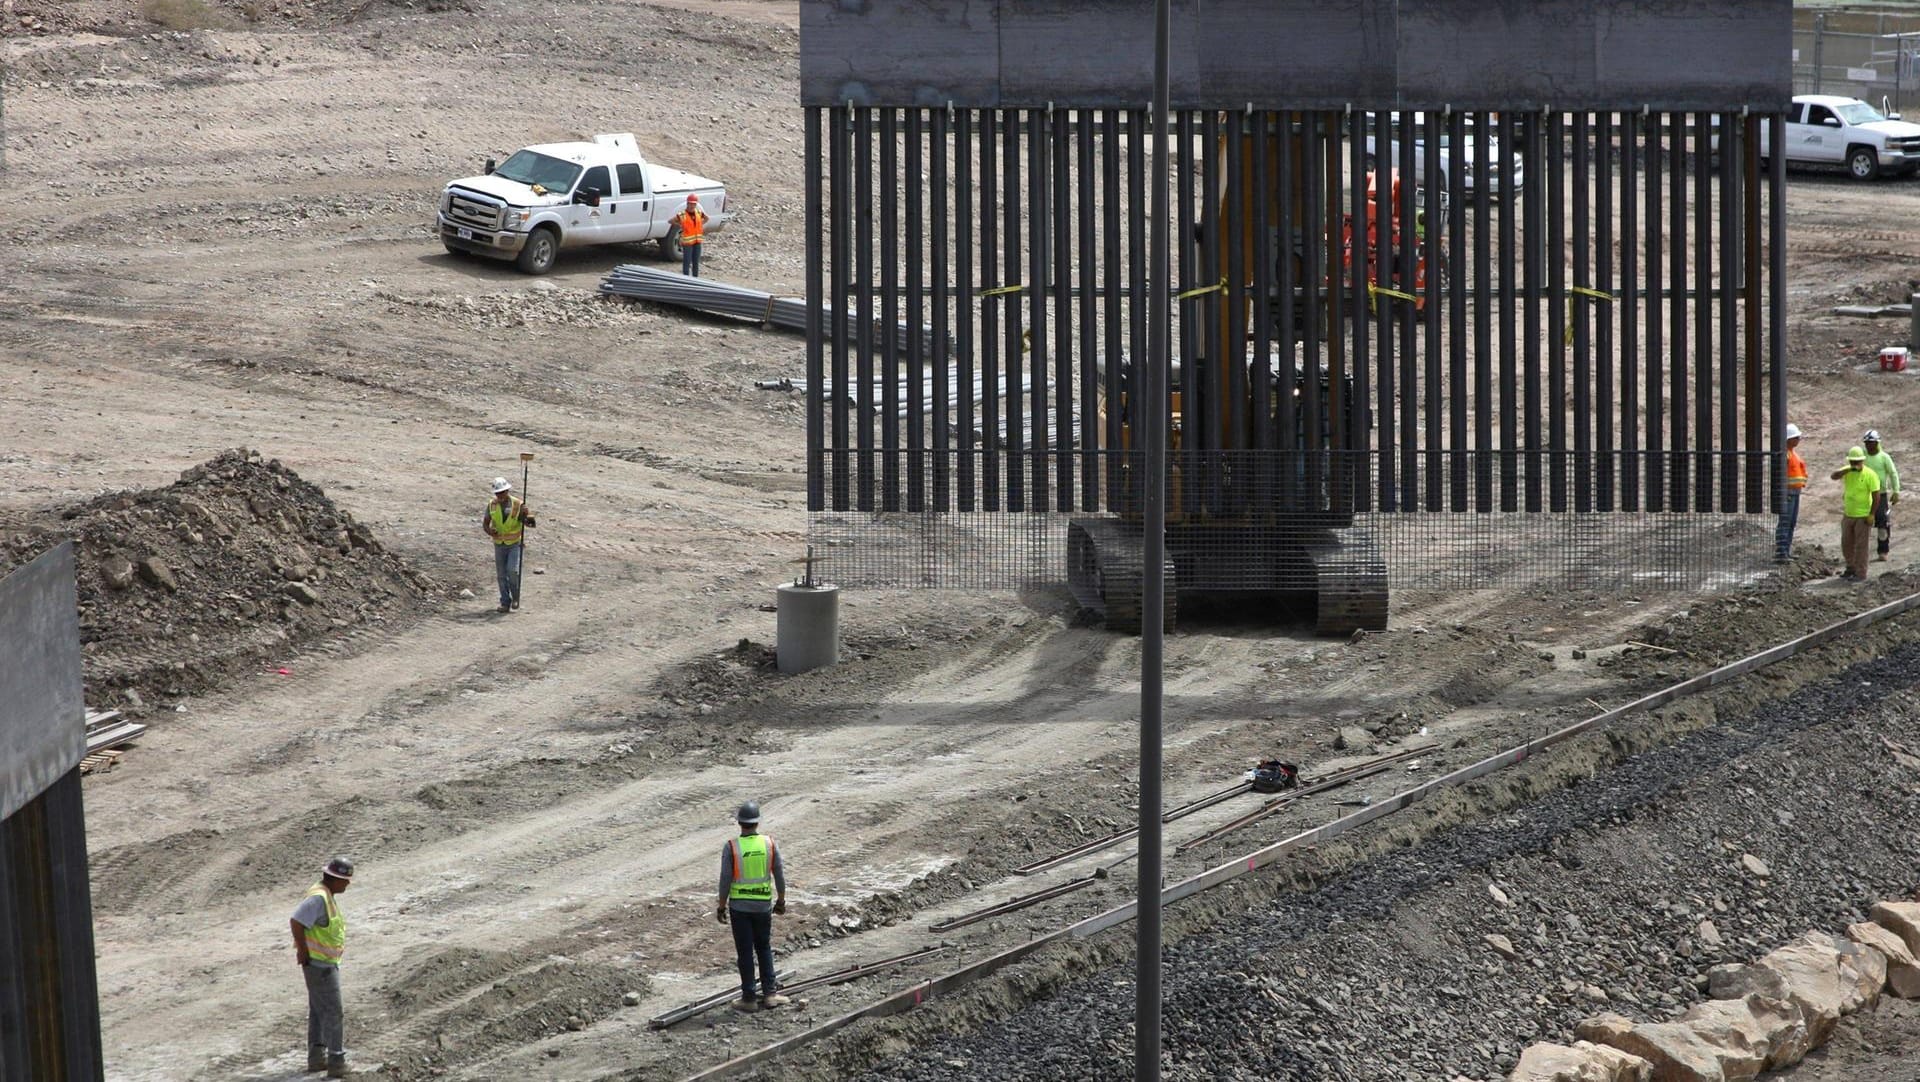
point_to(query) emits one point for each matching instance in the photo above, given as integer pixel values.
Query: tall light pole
(1146, 1002)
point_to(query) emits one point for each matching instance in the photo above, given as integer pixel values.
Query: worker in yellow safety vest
(505, 521)
(753, 887)
(692, 224)
(1790, 501)
(319, 941)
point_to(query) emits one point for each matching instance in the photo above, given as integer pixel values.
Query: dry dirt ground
(218, 238)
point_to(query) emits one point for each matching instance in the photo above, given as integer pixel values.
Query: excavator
(1260, 493)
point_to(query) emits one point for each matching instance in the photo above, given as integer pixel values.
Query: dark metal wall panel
(1370, 54)
(1488, 359)
(42, 729)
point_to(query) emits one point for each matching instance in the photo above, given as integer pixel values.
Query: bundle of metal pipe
(639, 282)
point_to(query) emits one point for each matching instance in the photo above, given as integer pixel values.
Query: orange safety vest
(693, 225)
(1796, 470)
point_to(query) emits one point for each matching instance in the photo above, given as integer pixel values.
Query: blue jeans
(1789, 517)
(506, 568)
(690, 260)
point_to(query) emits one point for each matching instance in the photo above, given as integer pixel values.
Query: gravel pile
(1445, 959)
(233, 567)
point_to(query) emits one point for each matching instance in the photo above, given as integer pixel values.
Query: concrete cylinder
(807, 627)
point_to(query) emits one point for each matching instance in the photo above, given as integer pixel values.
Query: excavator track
(1106, 572)
(1350, 581)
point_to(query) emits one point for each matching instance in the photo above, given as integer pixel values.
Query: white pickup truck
(1826, 130)
(563, 195)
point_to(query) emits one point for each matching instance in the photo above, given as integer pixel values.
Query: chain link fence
(1873, 56)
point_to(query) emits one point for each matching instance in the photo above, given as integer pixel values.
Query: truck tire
(543, 244)
(453, 249)
(1863, 163)
(670, 244)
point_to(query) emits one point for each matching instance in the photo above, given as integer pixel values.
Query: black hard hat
(748, 815)
(339, 868)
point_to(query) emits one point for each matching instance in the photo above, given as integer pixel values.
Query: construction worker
(753, 887)
(1790, 505)
(692, 223)
(1881, 463)
(319, 939)
(1861, 499)
(505, 520)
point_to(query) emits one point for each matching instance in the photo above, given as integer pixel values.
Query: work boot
(316, 1060)
(336, 1066)
(774, 1001)
(516, 601)
(506, 608)
(1882, 558)
(745, 1005)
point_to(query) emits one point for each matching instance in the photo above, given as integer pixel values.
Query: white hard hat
(501, 484)
(1793, 431)
(1872, 436)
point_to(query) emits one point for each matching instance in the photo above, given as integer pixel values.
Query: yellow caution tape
(1217, 287)
(1590, 294)
(1374, 289)
(1001, 290)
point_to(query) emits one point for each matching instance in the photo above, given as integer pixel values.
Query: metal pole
(1146, 1002)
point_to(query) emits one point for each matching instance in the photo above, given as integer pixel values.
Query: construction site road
(219, 237)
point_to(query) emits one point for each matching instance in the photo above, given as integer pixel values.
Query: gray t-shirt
(312, 912)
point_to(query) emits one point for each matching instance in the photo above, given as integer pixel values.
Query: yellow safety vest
(506, 524)
(752, 869)
(326, 945)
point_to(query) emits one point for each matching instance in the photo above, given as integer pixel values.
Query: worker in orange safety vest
(1790, 502)
(692, 224)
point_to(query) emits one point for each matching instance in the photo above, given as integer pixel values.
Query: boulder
(1580, 1062)
(301, 592)
(1602, 1028)
(1903, 970)
(1902, 919)
(1678, 1053)
(1351, 738)
(1752, 1026)
(1827, 977)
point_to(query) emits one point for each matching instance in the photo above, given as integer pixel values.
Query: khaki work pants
(1855, 533)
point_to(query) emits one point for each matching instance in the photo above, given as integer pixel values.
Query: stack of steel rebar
(662, 286)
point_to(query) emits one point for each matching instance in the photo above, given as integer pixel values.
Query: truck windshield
(1859, 112)
(530, 168)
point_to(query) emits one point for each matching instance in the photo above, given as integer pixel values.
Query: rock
(1755, 865)
(1740, 981)
(1594, 992)
(1677, 1053)
(631, 999)
(465, 593)
(1903, 971)
(297, 572)
(1709, 934)
(1579, 1062)
(1602, 1028)
(301, 592)
(1902, 919)
(1761, 1025)
(1499, 896)
(156, 573)
(1502, 946)
(1827, 977)
(1351, 738)
(117, 572)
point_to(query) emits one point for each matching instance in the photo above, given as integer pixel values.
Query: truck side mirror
(1831, 122)
(489, 166)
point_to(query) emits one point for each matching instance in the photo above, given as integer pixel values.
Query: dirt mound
(240, 562)
(122, 17)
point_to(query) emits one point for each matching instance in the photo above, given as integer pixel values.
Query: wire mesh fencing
(1269, 521)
